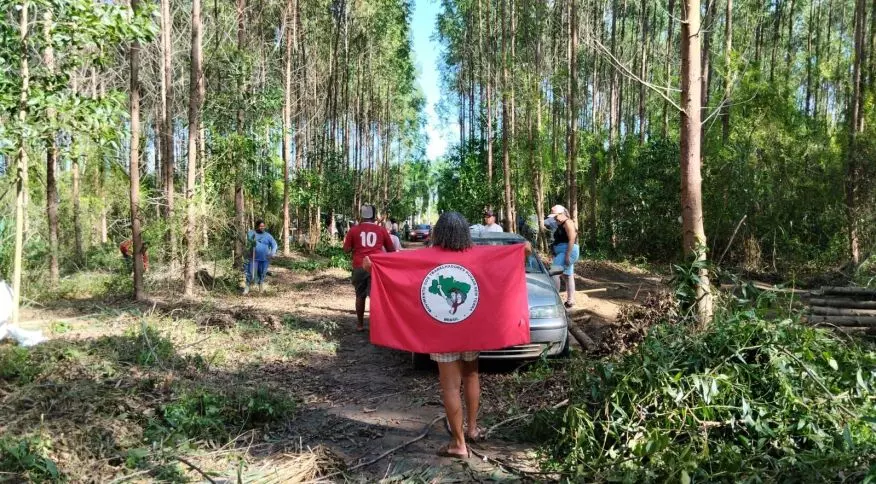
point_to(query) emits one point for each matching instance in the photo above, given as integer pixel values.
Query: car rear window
(422, 227)
(533, 266)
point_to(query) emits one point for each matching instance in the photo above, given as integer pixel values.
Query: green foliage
(202, 414)
(641, 200)
(462, 183)
(17, 365)
(27, 458)
(7, 247)
(747, 400)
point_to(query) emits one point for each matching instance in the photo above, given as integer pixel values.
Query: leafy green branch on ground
(745, 400)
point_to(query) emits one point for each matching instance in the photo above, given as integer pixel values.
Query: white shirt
(493, 228)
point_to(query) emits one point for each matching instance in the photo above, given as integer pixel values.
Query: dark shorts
(362, 282)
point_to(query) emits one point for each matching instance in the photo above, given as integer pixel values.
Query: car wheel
(421, 362)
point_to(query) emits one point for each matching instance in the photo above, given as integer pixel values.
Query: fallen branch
(730, 243)
(519, 417)
(196, 468)
(585, 341)
(849, 291)
(842, 320)
(835, 311)
(367, 463)
(842, 303)
(508, 467)
(599, 289)
(818, 381)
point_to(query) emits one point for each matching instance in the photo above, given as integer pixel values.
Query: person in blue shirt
(261, 246)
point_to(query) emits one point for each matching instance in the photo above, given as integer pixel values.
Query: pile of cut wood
(851, 309)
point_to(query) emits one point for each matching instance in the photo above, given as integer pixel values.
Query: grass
(140, 391)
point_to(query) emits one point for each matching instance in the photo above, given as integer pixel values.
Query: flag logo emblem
(449, 293)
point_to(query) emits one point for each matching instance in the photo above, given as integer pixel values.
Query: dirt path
(360, 400)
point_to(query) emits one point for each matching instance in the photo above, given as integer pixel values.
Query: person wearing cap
(566, 248)
(490, 224)
(362, 240)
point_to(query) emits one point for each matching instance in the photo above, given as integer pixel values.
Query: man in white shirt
(490, 224)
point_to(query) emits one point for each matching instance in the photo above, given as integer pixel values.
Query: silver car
(549, 323)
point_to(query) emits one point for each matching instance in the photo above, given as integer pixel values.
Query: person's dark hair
(257, 223)
(452, 232)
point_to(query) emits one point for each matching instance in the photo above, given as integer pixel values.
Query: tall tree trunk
(614, 107)
(290, 26)
(728, 59)
(195, 79)
(572, 114)
(51, 160)
(20, 178)
(808, 102)
(134, 162)
(506, 133)
(239, 209)
(817, 67)
(694, 235)
(670, 23)
(102, 181)
(643, 70)
(855, 127)
(489, 122)
(77, 213)
(706, 27)
(167, 138)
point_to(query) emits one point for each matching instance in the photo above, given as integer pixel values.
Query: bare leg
(360, 313)
(471, 389)
(450, 376)
(570, 290)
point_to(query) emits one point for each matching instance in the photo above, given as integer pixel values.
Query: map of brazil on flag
(439, 301)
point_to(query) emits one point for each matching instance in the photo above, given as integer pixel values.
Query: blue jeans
(560, 258)
(261, 268)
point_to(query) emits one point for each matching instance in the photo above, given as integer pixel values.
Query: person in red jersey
(364, 239)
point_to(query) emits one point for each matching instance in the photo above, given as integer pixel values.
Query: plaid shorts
(451, 357)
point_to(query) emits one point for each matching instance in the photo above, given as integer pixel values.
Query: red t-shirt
(366, 239)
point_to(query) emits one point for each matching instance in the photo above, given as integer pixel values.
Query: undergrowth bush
(203, 414)
(28, 458)
(746, 400)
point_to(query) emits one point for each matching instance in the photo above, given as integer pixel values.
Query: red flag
(440, 301)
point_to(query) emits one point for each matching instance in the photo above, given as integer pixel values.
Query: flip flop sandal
(445, 452)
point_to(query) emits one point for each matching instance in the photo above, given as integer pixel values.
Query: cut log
(842, 303)
(849, 291)
(843, 320)
(834, 311)
(585, 341)
(857, 330)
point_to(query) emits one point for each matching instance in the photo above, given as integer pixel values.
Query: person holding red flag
(452, 300)
(364, 239)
